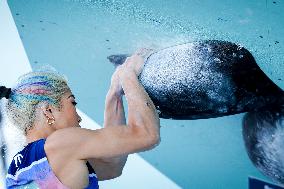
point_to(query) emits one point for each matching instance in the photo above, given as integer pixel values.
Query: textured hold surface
(206, 79)
(263, 133)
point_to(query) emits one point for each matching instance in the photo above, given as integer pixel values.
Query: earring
(50, 121)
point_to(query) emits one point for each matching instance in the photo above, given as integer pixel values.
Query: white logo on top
(18, 158)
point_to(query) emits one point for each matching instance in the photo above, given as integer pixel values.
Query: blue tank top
(30, 169)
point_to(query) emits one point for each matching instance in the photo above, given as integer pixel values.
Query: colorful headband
(5, 92)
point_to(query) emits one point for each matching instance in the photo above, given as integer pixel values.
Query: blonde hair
(32, 89)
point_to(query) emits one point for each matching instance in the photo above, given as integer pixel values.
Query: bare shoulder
(58, 149)
(83, 144)
(63, 138)
(68, 141)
